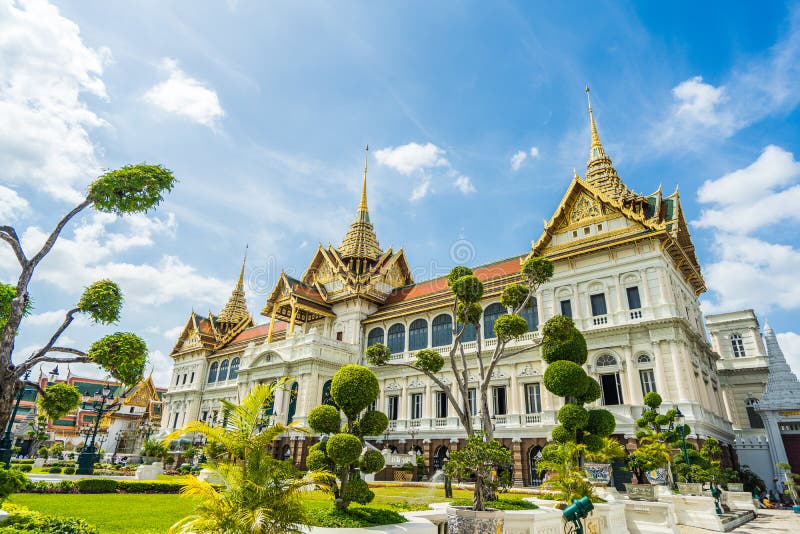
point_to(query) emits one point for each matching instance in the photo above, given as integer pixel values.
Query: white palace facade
(625, 271)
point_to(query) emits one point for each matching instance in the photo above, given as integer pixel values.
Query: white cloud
(518, 159)
(183, 95)
(534, 152)
(464, 184)
(413, 157)
(421, 190)
(698, 103)
(11, 205)
(790, 345)
(173, 333)
(50, 318)
(45, 67)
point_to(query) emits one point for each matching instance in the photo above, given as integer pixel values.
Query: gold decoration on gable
(584, 208)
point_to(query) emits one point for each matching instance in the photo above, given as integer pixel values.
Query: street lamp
(88, 457)
(679, 419)
(6, 444)
(413, 431)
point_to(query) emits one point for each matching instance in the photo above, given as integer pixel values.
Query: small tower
(235, 311)
(600, 172)
(360, 248)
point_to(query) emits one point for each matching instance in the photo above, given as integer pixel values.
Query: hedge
(54, 470)
(105, 485)
(23, 521)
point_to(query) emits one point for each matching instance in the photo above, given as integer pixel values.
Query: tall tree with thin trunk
(467, 290)
(130, 189)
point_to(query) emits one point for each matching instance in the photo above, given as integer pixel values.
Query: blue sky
(474, 112)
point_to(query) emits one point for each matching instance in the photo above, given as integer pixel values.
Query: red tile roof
(261, 330)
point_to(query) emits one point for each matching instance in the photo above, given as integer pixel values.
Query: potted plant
(152, 450)
(790, 485)
(406, 473)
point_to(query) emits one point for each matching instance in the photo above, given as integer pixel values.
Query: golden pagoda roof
(235, 310)
(360, 242)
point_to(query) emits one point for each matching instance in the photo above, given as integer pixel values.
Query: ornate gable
(198, 333)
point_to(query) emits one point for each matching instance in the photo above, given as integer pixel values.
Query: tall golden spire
(360, 242)
(600, 172)
(596, 151)
(236, 308)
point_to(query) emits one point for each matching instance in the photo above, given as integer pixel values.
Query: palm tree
(262, 494)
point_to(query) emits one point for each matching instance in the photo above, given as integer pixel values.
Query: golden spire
(596, 151)
(600, 172)
(236, 308)
(360, 242)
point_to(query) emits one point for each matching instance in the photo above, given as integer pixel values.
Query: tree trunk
(8, 389)
(478, 495)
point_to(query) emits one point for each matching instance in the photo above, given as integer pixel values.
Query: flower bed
(21, 520)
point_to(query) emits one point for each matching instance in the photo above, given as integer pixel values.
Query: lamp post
(6, 443)
(679, 419)
(88, 457)
(413, 431)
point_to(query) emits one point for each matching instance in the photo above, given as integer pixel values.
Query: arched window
(223, 371)
(531, 315)
(470, 334)
(418, 335)
(737, 344)
(490, 315)
(442, 330)
(375, 336)
(292, 403)
(326, 394)
(753, 417)
(234, 372)
(212, 373)
(397, 338)
(534, 455)
(606, 360)
(644, 358)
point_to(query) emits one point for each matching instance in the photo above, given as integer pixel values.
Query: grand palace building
(625, 271)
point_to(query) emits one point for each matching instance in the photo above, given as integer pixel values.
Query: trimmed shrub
(537, 270)
(562, 341)
(318, 461)
(378, 354)
(469, 313)
(69, 470)
(429, 359)
(514, 295)
(601, 422)
(360, 517)
(25, 468)
(457, 272)
(21, 521)
(652, 400)
(373, 423)
(353, 388)
(54, 470)
(509, 326)
(371, 462)
(358, 491)
(343, 448)
(11, 481)
(573, 417)
(591, 393)
(468, 288)
(565, 379)
(561, 434)
(97, 485)
(593, 443)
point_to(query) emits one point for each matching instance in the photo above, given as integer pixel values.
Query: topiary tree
(467, 291)
(580, 430)
(341, 450)
(130, 189)
(657, 435)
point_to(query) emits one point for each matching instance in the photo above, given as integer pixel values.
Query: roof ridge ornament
(360, 243)
(235, 309)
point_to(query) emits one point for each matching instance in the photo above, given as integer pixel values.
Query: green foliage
(54, 470)
(357, 490)
(469, 313)
(536, 270)
(23, 521)
(604, 452)
(43, 452)
(353, 388)
(514, 295)
(430, 360)
(573, 417)
(59, 399)
(750, 479)
(102, 301)
(11, 481)
(69, 470)
(122, 354)
(561, 341)
(378, 354)
(131, 189)
(154, 448)
(593, 443)
(317, 460)
(25, 468)
(353, 518)
(591, 392)
(566, 477)
(601, 422)
(478, 459)
(97, 485)
(344, 449)
(565, 378)
(7, 294)
(562, 435)
(500, 504)
(457, 272)
(371, 462)
(510, 326)
(373, 423)
(468, 288)
(652, 400)
(324, 419)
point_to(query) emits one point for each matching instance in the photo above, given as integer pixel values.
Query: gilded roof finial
(236, 308)
(595, 137)
(575, 173)
(360, 241)
(362, 207)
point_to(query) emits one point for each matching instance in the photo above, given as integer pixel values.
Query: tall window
(234, 372)
(490, 315)
(418, 335)
(442, 330)
(375, 336)
(397, 338)
(392, 407)
(178, 379)
(470, 334)
(441, 404)
(753, 417)
(531, 315)
(611, 388)
(327, 398)
(191, 380)
(472, 400)
(648, 379)
(598, 304)
(533, 398)
(737, 344)
(499, 400)
(566, 308)
(223, 371)
(416, 406)
(292, 402)
(634, 303)
(212, 373)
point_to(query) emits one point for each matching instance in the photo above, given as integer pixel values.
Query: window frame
(536, 398)
(418, 335)
(398, 334)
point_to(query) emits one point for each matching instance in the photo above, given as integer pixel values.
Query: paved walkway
(768, 521)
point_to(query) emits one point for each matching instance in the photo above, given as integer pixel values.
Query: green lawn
(152, 514)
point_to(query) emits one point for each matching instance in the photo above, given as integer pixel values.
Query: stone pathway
(768, 521)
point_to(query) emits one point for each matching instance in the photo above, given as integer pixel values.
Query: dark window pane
(566, 308)
(397, 338)
(442, 330)
(490, 315)
(418, 335)
(633, 298)
(598, 304)
(531, 315)
(375, 336)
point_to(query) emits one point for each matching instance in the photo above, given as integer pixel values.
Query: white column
(514, 408)
(661, 379)
(634, 395)
(576, 299)
(540, 307)
(677, 369)
(427, 403)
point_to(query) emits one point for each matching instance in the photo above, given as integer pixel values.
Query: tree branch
(9, 235)
(447, 390)
(80, 357)
(51, 240)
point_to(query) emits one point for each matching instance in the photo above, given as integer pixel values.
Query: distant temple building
(625, 271)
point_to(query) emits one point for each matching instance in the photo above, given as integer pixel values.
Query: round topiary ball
(652, 400)
(593, 442)
(573, 417)
(429, 360)
(510, 326)
(565, 379)
(344, 449)
(562, 341)
(317, 461)
(662, 420)
(591, 393)
(561, 434)
(514, 295)
(357, 491)
(378, 354)
(371, 461)
(537, 270)
(373, 423)
(469, 313)
(457, 272)
(468, 288)
(353, 388)
(324, 419)
(601, 422)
